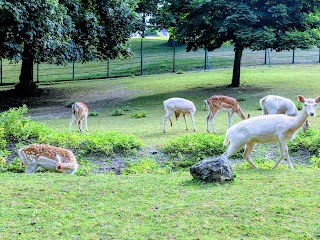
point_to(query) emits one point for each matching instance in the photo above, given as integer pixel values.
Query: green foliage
(85, 166)
(308, 141)
(315, 160)
(189, 149)
(93, 114)
(16, 127)
(145, 165)
(117, 112)
(13, 166)
(139, 114)
(69, 104)
(179, 71)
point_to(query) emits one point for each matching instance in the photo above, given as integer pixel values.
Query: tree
(255, 24)
(62, 31)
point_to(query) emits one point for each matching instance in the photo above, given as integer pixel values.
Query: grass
(263, 204)
(259, 204)
(148, 93)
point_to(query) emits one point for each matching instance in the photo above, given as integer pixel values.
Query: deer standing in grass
(225, 103)
(268, 128)
(273, 104)
(48, 157)
(80, 113)
(178, 106)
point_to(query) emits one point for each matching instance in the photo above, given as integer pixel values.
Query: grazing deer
(178, 106)
(48, 157)
(268, 128)
(273, 104)
(80, 113)
(219, 102)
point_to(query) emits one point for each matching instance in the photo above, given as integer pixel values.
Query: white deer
(218, 102)
(178, 106)
(268, 128)
(273, 104)
(80, 113)
(48, 157)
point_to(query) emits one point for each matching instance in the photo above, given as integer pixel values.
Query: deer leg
(209, 117)
(72, 120)
(213, 115)
(185, 120)
(168, 114)
(247, 153)
(233, 149)
(230, 113)
(192, 120)
(31, 168)
(86, 121)
(284, 154)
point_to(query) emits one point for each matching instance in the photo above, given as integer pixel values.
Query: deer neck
(300, 119)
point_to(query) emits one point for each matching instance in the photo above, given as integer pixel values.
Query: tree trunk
(236, 67)
(26, 87)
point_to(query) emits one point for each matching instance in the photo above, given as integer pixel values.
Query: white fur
(268, 128)
(178, 106)
(273, 104)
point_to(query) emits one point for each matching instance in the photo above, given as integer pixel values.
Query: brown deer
(80, 113)
(225, 103)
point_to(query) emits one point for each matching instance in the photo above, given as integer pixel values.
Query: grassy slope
(263, 204)
(148, 92)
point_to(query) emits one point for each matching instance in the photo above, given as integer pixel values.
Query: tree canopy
(255, 24)
(63, 31)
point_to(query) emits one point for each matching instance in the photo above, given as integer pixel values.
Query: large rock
(212, 169)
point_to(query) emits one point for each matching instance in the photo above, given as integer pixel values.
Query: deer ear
(317, 99)
(300, 98)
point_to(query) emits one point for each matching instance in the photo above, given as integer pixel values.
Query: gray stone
(213, 169)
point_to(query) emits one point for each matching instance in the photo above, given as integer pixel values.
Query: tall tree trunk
(26, 87)
(236, 67)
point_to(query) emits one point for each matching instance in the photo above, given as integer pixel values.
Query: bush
(117, 112)
(308, 141)
(139, 114)
(189, 149)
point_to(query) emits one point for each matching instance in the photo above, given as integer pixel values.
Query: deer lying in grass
(268, 128)
(178, 106)
(219, 102)
(273, 104)
(48, 157)
(80, 113)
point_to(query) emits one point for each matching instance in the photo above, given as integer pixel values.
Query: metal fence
(154, 57)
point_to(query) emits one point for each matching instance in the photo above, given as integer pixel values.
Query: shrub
(139, 114)
(308, 140)
(189, 149)
(117, 112)
(93, 114)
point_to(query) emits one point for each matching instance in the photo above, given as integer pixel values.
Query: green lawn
(261, 204)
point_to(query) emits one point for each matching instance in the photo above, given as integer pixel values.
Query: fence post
(206, 59)
(265, 56)
(1, 70)
(37, 72)
(72, 70)
(319, 55)
(269, 56)
(293, 56)
(174, 56)
(141, 56)
(108, 67)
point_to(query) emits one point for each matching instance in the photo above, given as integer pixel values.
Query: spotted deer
(80, 113)
(48, 157)
(219, 102)
(268, 128)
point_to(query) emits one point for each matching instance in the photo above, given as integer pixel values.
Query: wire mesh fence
(154, 56)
